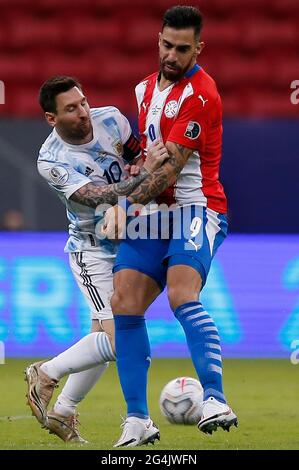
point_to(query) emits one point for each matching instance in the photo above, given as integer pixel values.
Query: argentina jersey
(67, 168)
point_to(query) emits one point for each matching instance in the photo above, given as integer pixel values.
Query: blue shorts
(188, 235)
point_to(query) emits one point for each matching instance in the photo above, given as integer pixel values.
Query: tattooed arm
(151, 187)
(92, 195)
(164, 177)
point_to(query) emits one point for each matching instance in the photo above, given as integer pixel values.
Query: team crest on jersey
(193, 130)
(118, 147)
(59, 175)
(171, 109)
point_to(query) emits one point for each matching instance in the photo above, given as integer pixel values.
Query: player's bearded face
(73, 115)
(178, 52)
(172, 71)
(78, 129)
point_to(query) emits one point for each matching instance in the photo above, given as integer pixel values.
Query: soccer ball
(181, 400)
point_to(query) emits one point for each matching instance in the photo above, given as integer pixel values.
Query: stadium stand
(252, 52)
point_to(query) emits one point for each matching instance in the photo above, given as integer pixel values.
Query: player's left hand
(133, 170)
(114, 223)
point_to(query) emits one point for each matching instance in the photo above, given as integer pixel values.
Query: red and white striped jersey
(189, 113)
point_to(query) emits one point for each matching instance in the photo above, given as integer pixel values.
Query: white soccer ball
(181, 400)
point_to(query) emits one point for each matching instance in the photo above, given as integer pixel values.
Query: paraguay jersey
(189, 113)
(68, 167)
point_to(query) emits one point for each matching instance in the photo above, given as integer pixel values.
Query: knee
(117, 301)
(126, 303)
(178, 296)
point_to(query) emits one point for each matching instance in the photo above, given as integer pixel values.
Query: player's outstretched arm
(164, 176)
(92, 195)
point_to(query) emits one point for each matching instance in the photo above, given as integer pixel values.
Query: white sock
(90, 351)
(75, 389)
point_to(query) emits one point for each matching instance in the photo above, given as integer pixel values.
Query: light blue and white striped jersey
(68, 167)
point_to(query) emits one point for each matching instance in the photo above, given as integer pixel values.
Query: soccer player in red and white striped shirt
(180, 106)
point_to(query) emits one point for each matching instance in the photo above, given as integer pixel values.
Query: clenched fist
(114, 223)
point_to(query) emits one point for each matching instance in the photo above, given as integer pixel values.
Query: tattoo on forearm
(162, 178)
(92, 195)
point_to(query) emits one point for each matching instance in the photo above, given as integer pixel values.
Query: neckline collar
(192, 71)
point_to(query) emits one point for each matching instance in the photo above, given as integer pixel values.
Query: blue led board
(252, 293)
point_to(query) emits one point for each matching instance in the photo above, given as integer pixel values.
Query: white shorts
(95, 279)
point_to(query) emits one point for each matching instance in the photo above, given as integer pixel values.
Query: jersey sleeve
(131, 144)
(62, 177)
(123, 126)
(194, 118)
(139, 93)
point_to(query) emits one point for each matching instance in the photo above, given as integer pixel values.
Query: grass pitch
(263, 393)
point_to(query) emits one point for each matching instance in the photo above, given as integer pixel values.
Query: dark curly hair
(181, 17)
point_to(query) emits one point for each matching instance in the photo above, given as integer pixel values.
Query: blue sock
(204, 345)
(133, 360)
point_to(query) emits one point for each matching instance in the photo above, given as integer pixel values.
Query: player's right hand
(133, 170)
(156, 155)
(114, 223)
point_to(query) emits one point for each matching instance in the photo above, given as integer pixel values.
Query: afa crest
(118, 147)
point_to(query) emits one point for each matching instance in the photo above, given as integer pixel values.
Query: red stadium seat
(16, 68)
(120, 71)
(287, 8)
(110, 46)
(63, 64)
(240, 71)
(141, 36)
(267, 104)
(235, 103)
(224, 33)
(24, 100)
(27, 32)
(285, 73)
(86, 33)
(269, 34)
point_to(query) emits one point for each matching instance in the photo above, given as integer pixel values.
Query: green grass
(264, 394)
